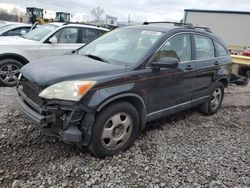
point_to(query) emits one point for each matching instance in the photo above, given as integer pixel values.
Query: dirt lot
(184, 150)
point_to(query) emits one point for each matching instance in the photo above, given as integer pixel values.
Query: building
(232, 26)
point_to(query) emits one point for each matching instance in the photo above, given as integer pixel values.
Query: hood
(48, 71)
(15, 40)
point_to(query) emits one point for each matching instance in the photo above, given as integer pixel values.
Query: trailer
(233, 26)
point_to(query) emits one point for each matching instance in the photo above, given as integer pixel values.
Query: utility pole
(128, 19)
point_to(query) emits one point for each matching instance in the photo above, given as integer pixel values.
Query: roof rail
(175, 23)
(207, 29)
(188, 25)
(66, 23)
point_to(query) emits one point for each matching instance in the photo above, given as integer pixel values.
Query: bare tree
(5, 15)
(17, 12)
(97, 13)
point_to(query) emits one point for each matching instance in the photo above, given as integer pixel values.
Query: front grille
(32, 91)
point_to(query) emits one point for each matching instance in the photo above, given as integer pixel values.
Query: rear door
(206, 64)
(68, 39)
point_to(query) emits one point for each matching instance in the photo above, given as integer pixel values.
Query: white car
(47, 40)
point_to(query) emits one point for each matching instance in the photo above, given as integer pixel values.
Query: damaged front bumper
(70, 122)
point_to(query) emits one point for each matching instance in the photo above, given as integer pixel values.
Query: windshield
(40, 32)
(122, 46)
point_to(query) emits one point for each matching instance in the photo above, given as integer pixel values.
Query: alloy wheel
(216, 98)
(9, 74)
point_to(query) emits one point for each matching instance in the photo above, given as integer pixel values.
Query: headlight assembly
(68, 90)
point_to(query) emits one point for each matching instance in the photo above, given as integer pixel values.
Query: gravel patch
(184, 150)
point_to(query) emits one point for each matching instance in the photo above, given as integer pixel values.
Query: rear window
(221, 50)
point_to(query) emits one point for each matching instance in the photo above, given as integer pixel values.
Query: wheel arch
(224, 80)
(133, 99)
(17, 57)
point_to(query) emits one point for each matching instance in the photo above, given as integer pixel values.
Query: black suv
(104, 94)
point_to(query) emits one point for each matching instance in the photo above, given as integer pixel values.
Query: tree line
(10, 15)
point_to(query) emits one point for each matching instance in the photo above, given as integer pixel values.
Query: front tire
(214, 102)
(9, 71)
(114, 130)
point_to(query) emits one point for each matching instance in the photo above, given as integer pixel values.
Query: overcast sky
(139, 10)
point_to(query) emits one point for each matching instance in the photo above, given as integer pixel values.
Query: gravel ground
(184, 150)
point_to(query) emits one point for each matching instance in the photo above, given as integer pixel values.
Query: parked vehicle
(46, 40)
(104, 94)
(246, 52)
(14, 29)
(2, 23)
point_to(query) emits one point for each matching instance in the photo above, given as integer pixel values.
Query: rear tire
(9, 71)
(214, 102)
(114, 130)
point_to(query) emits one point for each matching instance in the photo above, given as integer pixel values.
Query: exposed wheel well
(137, 103)
(17, 57)
(225, 81)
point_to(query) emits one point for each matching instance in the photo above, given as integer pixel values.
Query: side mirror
(166, 62)
(53, 40)
(23, 32)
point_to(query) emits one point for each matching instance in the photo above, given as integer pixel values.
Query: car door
(171, 89)
(206, 67)
(66, 40)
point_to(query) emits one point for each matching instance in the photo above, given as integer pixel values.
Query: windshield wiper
(75, 51)
(96, 58)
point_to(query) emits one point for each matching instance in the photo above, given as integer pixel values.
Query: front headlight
(68, 90)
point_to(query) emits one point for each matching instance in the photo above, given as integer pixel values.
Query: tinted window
(18, 32)
(67, 35)
(90, 34)
(178, 47)
(221, 51)
(204, 47)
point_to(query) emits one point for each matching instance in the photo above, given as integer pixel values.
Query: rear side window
(18, 31)
(178, 47)
(90, 35)
(204, 48)
(221, 50)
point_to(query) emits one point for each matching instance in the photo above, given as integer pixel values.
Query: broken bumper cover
(64, 123)
(36, 117)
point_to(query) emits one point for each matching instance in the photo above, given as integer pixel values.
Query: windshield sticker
(151, 33)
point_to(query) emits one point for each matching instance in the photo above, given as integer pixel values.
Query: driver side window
(178, 47)
(67, 35)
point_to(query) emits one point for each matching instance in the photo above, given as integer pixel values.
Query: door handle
(216, 63)
(189, 67)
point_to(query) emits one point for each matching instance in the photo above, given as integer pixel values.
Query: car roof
(56, 23)
(21, 24)
(153, 27)
(61, 24)
(15, 25)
